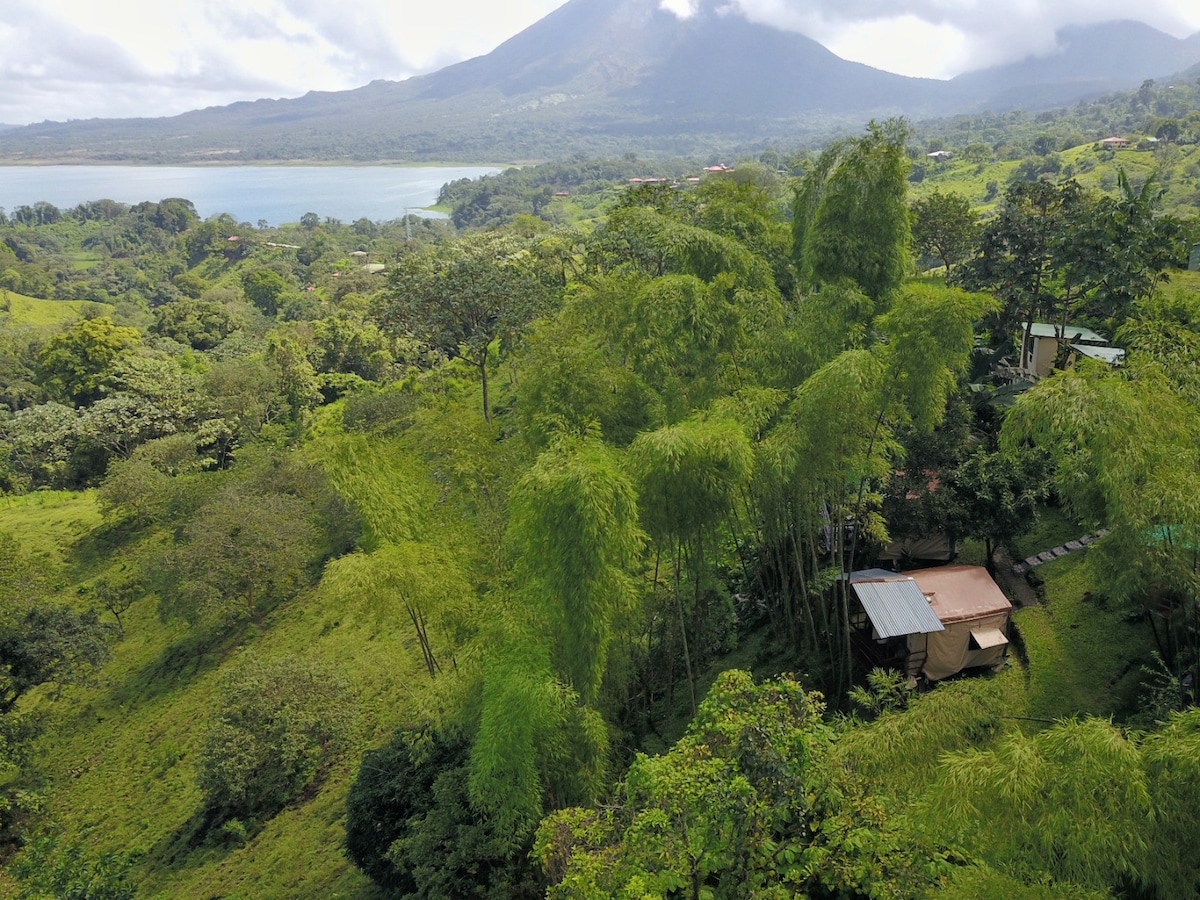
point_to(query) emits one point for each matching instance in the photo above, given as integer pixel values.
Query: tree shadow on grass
(196, 652)
(95, 550)
(203, 837)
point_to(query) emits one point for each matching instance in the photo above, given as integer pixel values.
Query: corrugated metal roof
(1073, 333)
(894, 603)
(1114, 356)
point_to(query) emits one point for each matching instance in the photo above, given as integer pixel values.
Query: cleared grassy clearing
(1176, 168)
(17, 309)
(120, 753)
(1084, 657)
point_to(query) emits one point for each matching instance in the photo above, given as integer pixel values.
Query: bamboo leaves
(574, 530)
(574, 535)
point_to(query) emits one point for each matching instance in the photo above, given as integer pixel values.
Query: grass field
(1176, 168)
(21, 310)
(120, 753)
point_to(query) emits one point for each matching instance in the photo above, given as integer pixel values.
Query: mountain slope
(1089, 61)
(604, 77)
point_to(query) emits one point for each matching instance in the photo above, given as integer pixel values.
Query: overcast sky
(62, 59)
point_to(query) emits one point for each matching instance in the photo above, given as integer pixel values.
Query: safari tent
(934, 622)
(974, 614)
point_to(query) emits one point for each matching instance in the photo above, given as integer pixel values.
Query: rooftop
(894, 603)
(960, 593)
(1073, 333)
(1114, 356)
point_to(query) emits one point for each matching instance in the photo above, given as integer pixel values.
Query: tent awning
(984, 638)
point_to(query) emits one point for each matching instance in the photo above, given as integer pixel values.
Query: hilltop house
(932, 622)
(1114, 143)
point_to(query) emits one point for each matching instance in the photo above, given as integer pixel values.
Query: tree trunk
(487, 410)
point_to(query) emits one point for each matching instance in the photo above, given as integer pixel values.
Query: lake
(277, 194)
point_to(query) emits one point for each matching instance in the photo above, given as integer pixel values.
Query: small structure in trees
(893, 621)
(974, 614)
(933, 622)
(1041, 345)
(936, 546)
(930, 544)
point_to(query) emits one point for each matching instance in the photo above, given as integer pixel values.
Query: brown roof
(961, 593)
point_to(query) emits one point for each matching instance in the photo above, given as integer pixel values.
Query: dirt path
(1014, 585)
(1011, 576)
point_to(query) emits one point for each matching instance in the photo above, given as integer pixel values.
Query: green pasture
(18, 309)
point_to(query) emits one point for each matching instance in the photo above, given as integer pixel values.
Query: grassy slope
(1177, 168)
(120, 753)
(24, 310)
(121, 761)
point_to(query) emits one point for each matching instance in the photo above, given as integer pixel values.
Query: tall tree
(75, 364)
(746, 804)
(1016, 256)
(459, 297)
(541, 737)
(851, 216)
(688, 476)
(944, 226)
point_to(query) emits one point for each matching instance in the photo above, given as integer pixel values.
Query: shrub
(275, 725)
(411, 828)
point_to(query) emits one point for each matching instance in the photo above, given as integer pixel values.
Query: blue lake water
(278, 194)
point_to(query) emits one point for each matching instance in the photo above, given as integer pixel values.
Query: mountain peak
(604, 75)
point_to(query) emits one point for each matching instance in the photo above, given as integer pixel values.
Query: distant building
(940, 155)
(1041, 342)
(1114, 143)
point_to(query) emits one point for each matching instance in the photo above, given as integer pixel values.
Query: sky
(78, 59)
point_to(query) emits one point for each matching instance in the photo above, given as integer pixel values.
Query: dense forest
(508, 555)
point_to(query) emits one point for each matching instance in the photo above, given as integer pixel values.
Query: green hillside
(530, 566)
(1174, 168)
(17, 309)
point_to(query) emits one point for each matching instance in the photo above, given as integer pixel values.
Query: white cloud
(685, 9)
(941, 38)
(162, 57)
(85, 58)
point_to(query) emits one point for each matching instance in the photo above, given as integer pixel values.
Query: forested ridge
(507, 556)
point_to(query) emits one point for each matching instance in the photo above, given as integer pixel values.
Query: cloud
(84, 58)
(941, 38)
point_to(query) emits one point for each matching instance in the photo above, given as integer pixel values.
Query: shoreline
(261, 164)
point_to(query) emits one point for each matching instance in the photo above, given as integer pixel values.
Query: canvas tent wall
(974, 614)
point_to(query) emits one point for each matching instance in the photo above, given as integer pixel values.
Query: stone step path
(1032, 562)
